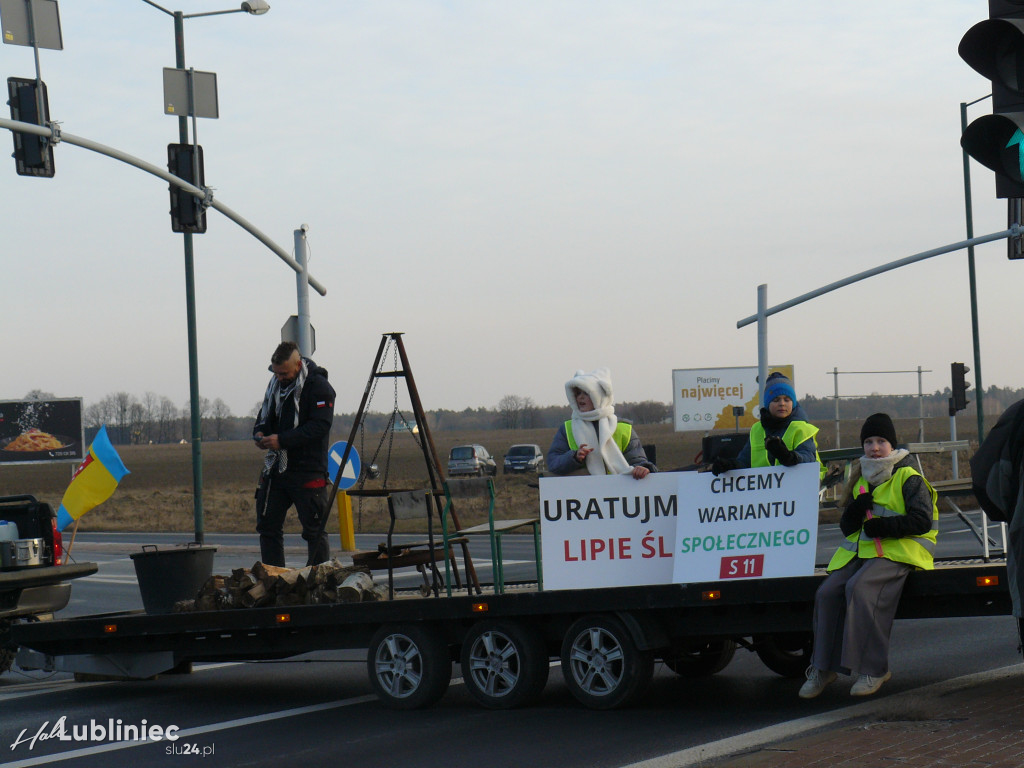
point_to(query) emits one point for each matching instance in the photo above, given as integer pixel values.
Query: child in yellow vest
(781, 436)
(890, 522)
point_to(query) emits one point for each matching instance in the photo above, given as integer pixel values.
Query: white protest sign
(608, 531)
(746, 524)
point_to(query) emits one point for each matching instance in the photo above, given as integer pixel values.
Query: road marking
(699, 755)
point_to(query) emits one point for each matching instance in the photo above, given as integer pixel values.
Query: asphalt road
(318, 709)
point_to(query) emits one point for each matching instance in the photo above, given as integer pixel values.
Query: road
(318, 709)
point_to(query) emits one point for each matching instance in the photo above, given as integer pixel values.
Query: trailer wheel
(409, 666)
(504, 664)
(601, 663)
(787, 653)
(700, 659)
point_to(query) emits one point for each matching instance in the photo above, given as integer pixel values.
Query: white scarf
(877, 471)
(274, 398)
(596, 428)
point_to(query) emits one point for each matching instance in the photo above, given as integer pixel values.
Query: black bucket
(169, 575)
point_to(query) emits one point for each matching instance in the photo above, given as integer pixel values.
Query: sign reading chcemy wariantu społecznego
(681, 527)
(747, 524)
(610, 531)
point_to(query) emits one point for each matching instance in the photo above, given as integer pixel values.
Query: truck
(34, 580)
(607, 639)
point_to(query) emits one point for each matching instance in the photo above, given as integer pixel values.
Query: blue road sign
(351, 474)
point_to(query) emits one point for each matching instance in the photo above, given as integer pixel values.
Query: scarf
(275, 397)
(877, 471)
(596, 428)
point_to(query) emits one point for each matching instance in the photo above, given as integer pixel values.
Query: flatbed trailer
(607, 639)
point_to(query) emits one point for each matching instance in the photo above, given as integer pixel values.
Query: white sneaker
(866, 684)
(817, 680)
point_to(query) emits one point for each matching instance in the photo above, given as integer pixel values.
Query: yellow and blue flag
(93, 481)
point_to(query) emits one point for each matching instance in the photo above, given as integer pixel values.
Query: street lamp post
(255, 8)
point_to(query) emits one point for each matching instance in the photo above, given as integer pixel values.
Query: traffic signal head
(33, 155)
(187, 213)
(959, 400)
(995, 49)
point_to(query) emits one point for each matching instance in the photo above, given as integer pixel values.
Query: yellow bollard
(345, 527)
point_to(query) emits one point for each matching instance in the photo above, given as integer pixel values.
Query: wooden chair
(495, 529)
(412, 505)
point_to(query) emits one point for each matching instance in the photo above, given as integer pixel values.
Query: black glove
(777, 450)
(720, 465)
(879, 528)
(853, 515)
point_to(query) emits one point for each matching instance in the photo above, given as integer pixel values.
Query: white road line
(696, 756)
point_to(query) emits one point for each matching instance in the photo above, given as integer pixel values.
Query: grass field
(157, 495)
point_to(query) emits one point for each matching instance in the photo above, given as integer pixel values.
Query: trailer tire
(601, 663)
(504, 664)
(408, 665)
(787, 653)
(701, 659)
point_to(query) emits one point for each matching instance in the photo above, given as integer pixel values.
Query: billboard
(703, 398)
(34, 431)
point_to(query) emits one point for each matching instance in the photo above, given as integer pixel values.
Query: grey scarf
(274, 398)
(877, 471)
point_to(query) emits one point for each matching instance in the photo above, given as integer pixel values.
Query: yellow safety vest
(796, 433)
(622, 435)
(918, 551)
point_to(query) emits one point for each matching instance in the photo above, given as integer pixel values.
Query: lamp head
(256, 7)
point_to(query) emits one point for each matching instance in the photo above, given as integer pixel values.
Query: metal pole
(302, 290)
(973, 280)
(190, 311)
(835, 381)
(762, 342)
(920, 406)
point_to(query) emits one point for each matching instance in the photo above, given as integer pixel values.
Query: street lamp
(255, 8)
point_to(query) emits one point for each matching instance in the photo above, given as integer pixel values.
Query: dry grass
(157, 495)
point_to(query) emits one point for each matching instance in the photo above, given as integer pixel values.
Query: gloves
(879, 528)
(777, 450)
(720, 465)
(853, 515)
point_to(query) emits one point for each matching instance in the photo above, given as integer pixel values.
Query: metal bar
(1011, 232)
(975, 335)
(358, 419)
(124, 157)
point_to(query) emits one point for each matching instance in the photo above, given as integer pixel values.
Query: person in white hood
(593, 438)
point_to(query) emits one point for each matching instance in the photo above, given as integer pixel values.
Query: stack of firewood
(265, 585)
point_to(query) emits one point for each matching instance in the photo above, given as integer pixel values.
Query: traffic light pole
(972, 277)
(190, 312)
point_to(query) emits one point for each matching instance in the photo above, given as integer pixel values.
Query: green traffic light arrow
(1018, 139)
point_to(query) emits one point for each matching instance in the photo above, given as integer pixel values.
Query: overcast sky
(524, 188)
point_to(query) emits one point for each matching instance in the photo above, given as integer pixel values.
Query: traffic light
(959, 400)
(33, 155)
(187, 213)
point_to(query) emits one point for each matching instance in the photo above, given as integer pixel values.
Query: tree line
(157, 419)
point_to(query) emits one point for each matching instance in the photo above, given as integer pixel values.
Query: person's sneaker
(866, 684)
(817, 679)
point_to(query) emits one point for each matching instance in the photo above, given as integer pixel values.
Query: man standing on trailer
(294, 426)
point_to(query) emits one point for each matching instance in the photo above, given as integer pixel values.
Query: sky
(524, 189)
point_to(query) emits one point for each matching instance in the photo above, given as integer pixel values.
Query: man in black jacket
(294, 426)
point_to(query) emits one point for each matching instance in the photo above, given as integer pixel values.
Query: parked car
(471, 460)
(524, 458)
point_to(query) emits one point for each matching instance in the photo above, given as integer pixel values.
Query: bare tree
(38, 394)
(167, 419)
(516, 412)
(220, 413)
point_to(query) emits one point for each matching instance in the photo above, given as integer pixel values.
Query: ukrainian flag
(93, 482)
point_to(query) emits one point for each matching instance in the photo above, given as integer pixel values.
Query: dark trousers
(276, 494)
